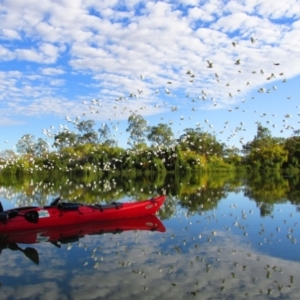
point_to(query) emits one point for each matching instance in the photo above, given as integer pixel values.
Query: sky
(223, 66)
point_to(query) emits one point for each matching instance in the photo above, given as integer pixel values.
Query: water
(218, 243)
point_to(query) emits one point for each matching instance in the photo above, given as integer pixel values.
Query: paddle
(55, 201)
(31, 216)
(3, 216)
(56, 244)
(29, 252)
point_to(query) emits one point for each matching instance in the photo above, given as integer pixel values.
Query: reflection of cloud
(251, 273)
(146, 265)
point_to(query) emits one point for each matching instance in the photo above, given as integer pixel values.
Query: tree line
(151, 149)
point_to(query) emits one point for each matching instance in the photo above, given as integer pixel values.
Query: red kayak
(58, 235)
(63, 213)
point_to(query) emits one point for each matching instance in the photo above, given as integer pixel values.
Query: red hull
(49, 216)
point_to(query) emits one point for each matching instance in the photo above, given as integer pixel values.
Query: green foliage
(161, 135)
(292, 146)
(104, 136)
(88, 152)
(265, 151)
(26, 145)
(65, 139)
(201, 142)
(137, 128)
(88, 134)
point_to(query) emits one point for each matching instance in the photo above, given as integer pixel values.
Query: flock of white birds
(169, 104)
(169, 101)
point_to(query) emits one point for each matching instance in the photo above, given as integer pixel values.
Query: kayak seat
(69, 239)
(118, 230)
(103, 207)
(68, 206)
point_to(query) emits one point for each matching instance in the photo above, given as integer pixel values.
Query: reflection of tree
(266, 190)
(30, 191)
(92, 189)
(265, 209)
(294, 192)
(200, 192)
(193, 191)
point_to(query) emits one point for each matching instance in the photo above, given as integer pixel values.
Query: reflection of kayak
(62, 214)
(72, 233)
(63, 234)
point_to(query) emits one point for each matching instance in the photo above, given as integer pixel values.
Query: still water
(217, 237)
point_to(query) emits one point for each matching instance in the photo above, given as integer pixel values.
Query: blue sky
(57, 56)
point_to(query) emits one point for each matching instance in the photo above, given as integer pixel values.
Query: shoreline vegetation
(152, 150)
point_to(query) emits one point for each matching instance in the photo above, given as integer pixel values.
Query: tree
(232, 155)
(88, 134)
(26, 145)
(161, 135)
(263, 136)
(292, 145)
(104, 136)
(265, 151)
(201, 142)
(41, 147)
(137, 129)
(7, 155)
(65, 139)
(262, 132)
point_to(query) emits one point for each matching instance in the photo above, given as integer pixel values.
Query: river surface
(225, 237)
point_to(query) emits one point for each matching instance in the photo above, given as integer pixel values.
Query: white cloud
(10, 34)
(277, 10)
(29, 55)
(9, 121)
(52, 71)
(6, 54)
(197, 13)
(57, 82)
(111, 47)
